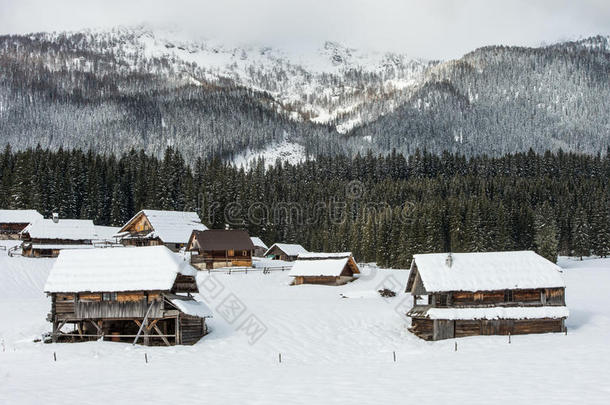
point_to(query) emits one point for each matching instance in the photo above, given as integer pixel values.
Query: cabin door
(444, 329)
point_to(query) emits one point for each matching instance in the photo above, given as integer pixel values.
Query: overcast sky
(428, 28)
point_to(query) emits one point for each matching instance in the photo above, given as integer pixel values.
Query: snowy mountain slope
(324, 85)
(343, 347)
(148, 87)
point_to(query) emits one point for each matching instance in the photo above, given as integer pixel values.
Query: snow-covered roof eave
(151, 268)
(488, 271)
(491, 313)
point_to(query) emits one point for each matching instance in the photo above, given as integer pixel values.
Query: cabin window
(231, 252)
(109, 296)
(508, 295)
(441, 300)
(244, 253)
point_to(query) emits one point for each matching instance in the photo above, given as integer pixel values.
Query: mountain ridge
(160, 87)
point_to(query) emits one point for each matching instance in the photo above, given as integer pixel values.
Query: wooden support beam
(97, 327)
(161, 334)
(152, 325)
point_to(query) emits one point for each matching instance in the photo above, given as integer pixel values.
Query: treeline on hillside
(382, 208)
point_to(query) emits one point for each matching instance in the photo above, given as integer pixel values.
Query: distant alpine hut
(123, 295)
(324, 268)
(154, 228)
(495, 293)
(259, 246)
(12, 222)
(216, 248)
(285, 251)
(47, 237)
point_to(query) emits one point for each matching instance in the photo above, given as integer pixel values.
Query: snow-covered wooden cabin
(259, 246)
(285, 251)
(324, 268)
(12, 222)
(153, 228)
(118, 293)
(495, 293)
(217, 248)
(47, 237)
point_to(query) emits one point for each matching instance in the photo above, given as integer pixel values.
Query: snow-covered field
(333, 349)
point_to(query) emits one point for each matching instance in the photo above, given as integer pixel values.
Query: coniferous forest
(382, 208)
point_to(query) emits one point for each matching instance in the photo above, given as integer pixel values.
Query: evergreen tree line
(382, 208)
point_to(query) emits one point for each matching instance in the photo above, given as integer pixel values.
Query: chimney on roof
(55, 217)
(449, 260)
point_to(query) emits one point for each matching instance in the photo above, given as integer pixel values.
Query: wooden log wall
(465, 328)
(424, 328)
(192, 328)
(539, 296)
(117, 310)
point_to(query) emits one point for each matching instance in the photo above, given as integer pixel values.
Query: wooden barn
(324, 268)
(495, 293)
(285, 251)
(216, 248)
(47, 237)
(259, 246)
(124, 294)
(154, 228)
(12, 222)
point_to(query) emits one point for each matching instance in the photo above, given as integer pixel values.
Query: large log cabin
(124, 294)
(47, 237)
(155, 228)
(324, 268)
(495, 293)
(216, 248)
(12, 222)
(287, 252)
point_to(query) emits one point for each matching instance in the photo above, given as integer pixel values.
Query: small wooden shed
(154, 228)
(47, 237)
(12, 222)
(259, 246)
(217, 248)
(121, 294)
(285, 251)
(324, 268)
(494, 293)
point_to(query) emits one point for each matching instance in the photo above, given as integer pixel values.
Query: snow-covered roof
(67, 229)
(323, 255)
(19, 216)
(257, 242)
(191, 307)
(40, 246)
(323, 267)
(291, 249)
(106, 233)
(121, 269)
(553, 312)
(487, 271)
(171, 226)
